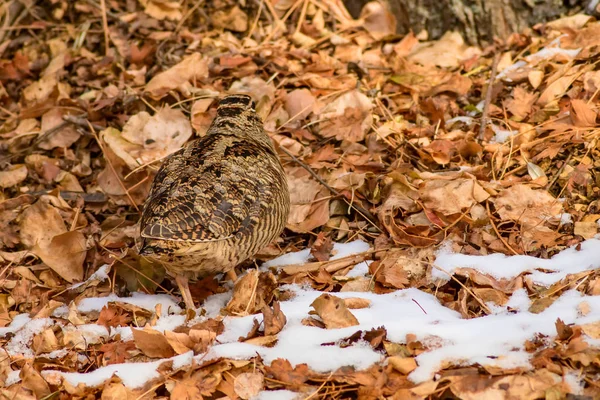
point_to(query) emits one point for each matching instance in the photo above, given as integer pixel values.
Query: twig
(560, 170)
(105, 27)
(504, 242)
(365, 213)
(488, 96)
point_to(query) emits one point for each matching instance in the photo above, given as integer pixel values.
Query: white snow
(360, 269)
(501, 135)
(547, 53)
(143, 300)
(340, 250)
(12, 378)
(133, 375)
(100, 275)
(20, 342)
(499, 266)
(497, 339)
(277, 395)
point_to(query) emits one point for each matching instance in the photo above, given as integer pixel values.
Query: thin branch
(362, 211)
(488, 96)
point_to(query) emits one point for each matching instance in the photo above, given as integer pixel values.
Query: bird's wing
(209, 192)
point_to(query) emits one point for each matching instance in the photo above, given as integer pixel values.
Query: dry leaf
(452, 196)
(347, 118)
(13, 175)
(249, 384)
(333, 312)
(146, 138)
(274, 319)
(251, 293)
(192, 68)
(152, 343)
(378, 20)
(529, 207)
(162, 9)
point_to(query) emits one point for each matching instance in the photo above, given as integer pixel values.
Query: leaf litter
(425, 255)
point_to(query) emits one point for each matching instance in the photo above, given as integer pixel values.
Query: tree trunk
(479, 21)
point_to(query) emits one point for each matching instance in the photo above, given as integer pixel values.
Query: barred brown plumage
(217, 201)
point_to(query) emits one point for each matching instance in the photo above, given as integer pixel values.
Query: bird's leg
(232, 275)
(184, 288)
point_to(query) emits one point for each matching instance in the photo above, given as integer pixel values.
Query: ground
(441, 240)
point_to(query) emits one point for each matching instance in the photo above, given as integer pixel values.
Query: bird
(217, 201)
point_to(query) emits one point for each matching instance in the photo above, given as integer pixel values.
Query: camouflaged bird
(216, 202)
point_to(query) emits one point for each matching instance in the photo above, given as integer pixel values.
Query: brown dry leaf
(273, 319)
(299, 104)
(347, 118)
(65, 254)
(355, 303)
(586, 229)
(146, 138)
(64, 137)
(117, 391)
(43, 230)
(152, 343)
(179, 341)
(529, 207)
(521, 103)
(389, 273)
(192, 68)
(201, 116)
(13, 175)
(572, 22)
(333, 312)
(252, 293)
(233, 19)
(526, 387)
(34, 381)
(248, 384)
(560, 84)
(321, 248)
(162, 9)
(309, 202)
(199, 384)
(592, 329)
(282, 370)
(404, 365)
(452, 196)
(582, 113)
(378, 20)
(447, 52)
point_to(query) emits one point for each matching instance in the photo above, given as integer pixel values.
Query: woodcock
(217, 201)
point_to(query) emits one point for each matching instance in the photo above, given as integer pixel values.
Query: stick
(488, 96)
(365, 213)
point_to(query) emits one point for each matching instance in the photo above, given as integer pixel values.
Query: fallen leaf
(233, 19)
(582, 113)
(152, 343)
(452, 196)
(347, 118)
(529, 207)
(273, 319)
(378, 20)
(251, 293)
(248, 384)
(13, 175)
(333, 312)
(447, 52)
(162, 9)
(146, 138)
(521, 103)
(192, 68)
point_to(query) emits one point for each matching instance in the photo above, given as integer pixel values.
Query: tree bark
(479, 21)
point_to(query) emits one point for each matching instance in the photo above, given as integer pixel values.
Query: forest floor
(441, 240)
